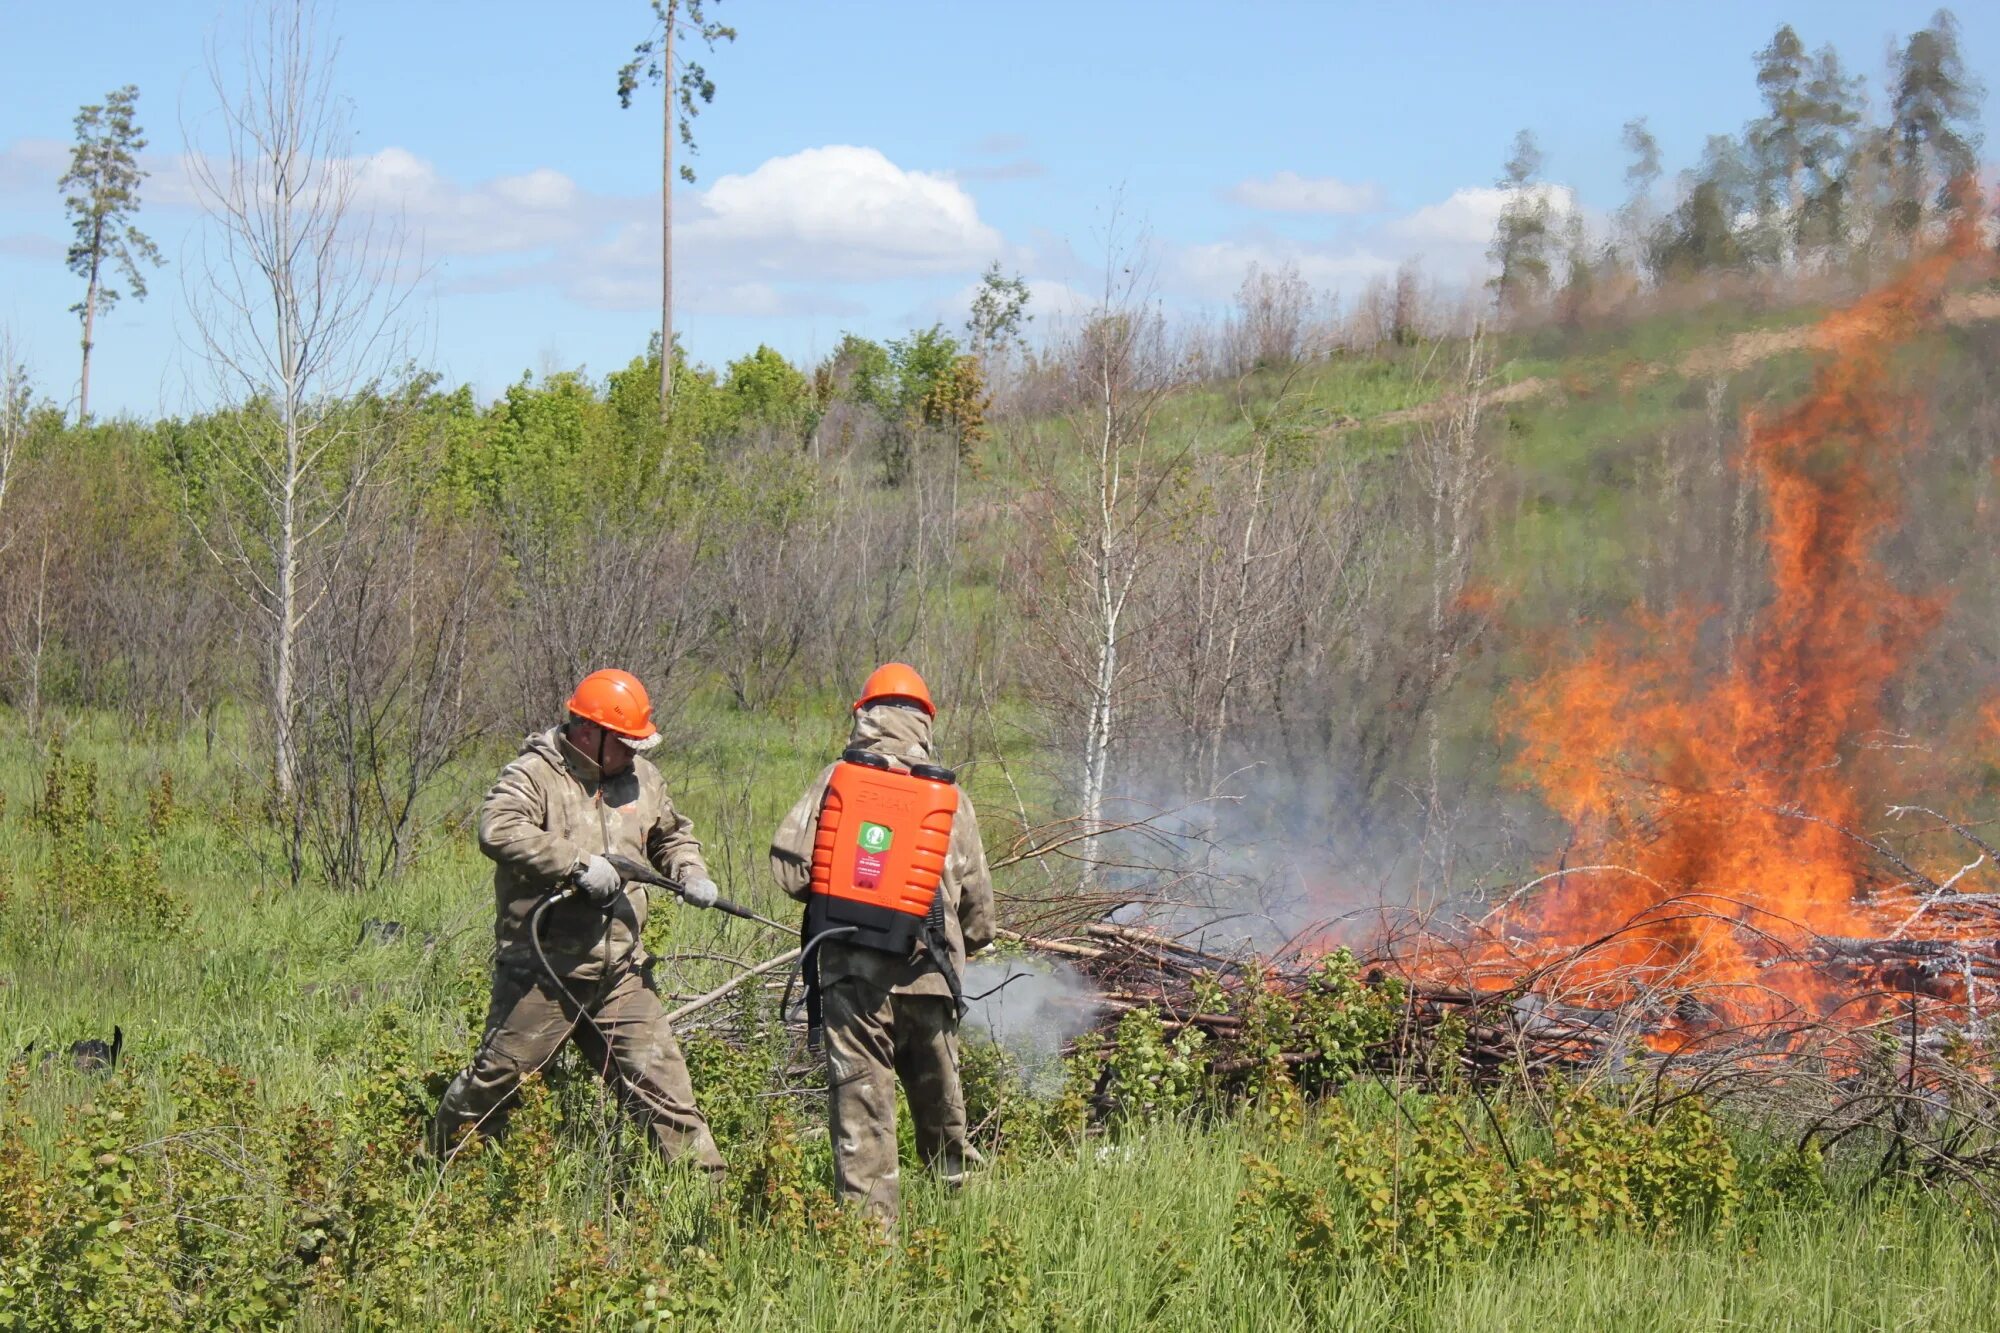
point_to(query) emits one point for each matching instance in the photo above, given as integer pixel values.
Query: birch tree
(1100, 517)
(295, 303)
(1454, 467)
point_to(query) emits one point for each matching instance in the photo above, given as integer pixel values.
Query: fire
(1723, 804)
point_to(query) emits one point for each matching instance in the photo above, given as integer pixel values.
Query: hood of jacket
(890, 729)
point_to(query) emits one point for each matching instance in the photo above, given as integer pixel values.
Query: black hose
(564, 894)
(807, 971)
(805, 954)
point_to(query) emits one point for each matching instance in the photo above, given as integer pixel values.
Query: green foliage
(935, 389)
(1933, 136)
(1154, 1076)
(918, 363)
(687, 84)
(999, 315)
(1525, 235)
(1701, 236)
(1614, 1171)
(861, 371)
(1341, 1019)
(93, 871)
(769, 391)
(630, 1288)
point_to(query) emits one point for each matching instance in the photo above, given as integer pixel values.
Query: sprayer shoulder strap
(938, 945)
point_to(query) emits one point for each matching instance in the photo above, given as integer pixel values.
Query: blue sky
(863, 163)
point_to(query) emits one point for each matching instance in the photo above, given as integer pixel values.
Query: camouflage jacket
(905, 737)
(550, 810)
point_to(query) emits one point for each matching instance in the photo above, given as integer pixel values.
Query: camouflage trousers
(873, 1038)
(622, 1031)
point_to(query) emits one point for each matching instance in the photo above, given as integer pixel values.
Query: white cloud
(1289, 192)
(839, 213)
(1447, 238)
(1468, 216)
(30, 168)
(784, 239)
(500, 216)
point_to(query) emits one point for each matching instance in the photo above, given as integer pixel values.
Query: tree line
(1132, 538)
(1826, 179)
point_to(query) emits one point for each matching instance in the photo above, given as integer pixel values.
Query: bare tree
(1099, 520)
(387, 699)
(1267, 545)
(617, 592)
(1455, 468)
(26, 616)
(295, 305)
(1270, 329)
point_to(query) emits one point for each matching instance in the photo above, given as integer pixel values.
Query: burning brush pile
(1732, 910)
(1734, 885)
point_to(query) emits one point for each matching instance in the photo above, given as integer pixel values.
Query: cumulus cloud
(1469, 215)
(1449, 237)
(783, 239)
(839, 213)
(1289, 192)
(504, 215)
(777, 240)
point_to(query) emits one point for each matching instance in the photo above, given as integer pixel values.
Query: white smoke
(1030, 1007)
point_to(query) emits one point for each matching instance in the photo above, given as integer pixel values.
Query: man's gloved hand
(599, 881)
(700, 891)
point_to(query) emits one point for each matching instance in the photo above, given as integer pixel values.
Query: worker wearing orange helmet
(578, 795)
(885, 853)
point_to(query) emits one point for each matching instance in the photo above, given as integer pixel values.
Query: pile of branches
(1436, 1029)
(1911, 1089)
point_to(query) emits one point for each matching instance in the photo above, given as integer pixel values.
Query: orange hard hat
(616, 701)
(896, 680)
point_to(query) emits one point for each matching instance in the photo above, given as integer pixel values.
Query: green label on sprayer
(875, 837)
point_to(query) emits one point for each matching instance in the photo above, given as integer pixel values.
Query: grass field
(269, 1182)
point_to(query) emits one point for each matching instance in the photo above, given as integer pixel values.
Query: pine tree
(1776, 139)
(1702, 235)
(1636, 217)
(101, 194)
(686, 88)
(1933, 140)
(1525, 235)
(1828, 149)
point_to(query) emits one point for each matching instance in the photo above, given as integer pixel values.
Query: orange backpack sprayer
(877, 864)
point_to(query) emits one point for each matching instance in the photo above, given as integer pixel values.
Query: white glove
(700, 891)
(599, 881)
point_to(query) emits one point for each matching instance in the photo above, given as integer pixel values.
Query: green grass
(1134, 1232)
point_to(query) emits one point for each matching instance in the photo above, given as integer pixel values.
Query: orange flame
(1722, 801)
